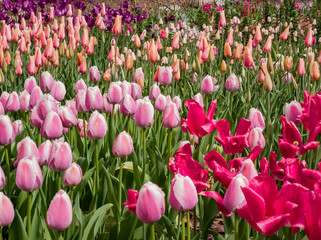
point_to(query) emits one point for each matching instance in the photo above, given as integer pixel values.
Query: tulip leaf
(17, 229)
(169, 227)
(35, 225)
(128, 227)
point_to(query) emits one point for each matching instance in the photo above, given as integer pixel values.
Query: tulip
(73, 175)
(223, 67)
(152, 53)
(268, 45)
(232, 83)
(171, 118)
(94, 74)
(208, 85)
(44, 152)
(175, 42)
(123, 145)
(258, 35)
(222, 22)
(32, 69)
(256, 138)
(30, 84)
(59, 214)
(114, 93)
(229, 38)
(58, 91)
(287, 63)
(46, 81)
(198, 98)
(13, 103)
(7, 135)
(83, 66)
(45, 105)
(97, 126)
(35, 95)
(256, 118)
(154, 92)
(118, 25)
(301, 67)
(7, 211)
(2, 178)
(248, 58)
(292, 111)
(68, 118)
(309, 38)
(129, 62)
(315, 73)
(94, 99)
(160, 103)
(80, 84)
(284, 36)
(238, 52)
(29, 175)
(227, 50)
(35, 121)
(150, 205)
(128, 105)
(136, 91)
(164, 75)
(60, 156)
(2, 109)
(183, 194)
(81, 101)
(144, 116)
(26, 148)
(51, 127)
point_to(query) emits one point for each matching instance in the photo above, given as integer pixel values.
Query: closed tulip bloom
(287, 63)
(73, 175)
(128, 105)
(256, 118)
(94, 99)
(268, 45)
(208, 85)
(309, 38)
(13, 103)
(175, 42)
(7, 211)
(129, 62)
(222, 22)
(227, 50)
(238, 52)
(1, 109)
(83, 65)
(44, 152)
(285, 34)
(30, 84)
(315, 73)
(60, 156)
(7, 135)
(256, 138)
(80, 126)
(232, 83)
(248, 169)
(32, 69)
(4, 98)
(97, 126)
(144, 116)
(17, 127)
(80, 84)
(178, 102)
(29, 175)
(154, 92)
(2, 178)
(234, 197)
(59, 214)
(301, 67)
(118, 25)
(292, 111)
(46, 81)
(248, 58)
(160, 103)
(171, 118)
(81, 101)
(35, 95)
(165, 75)
(114, 93)
(51, 127)
(24, 98)
(229, 38)
(35, 121)
(94, 74)
(58, 91)
(26, 148)
(198, 98)
(107, 107)
(45, 105)
(150, 205)
(258, 35)
(183, 194)
(138, 75)
(123, 145)
(136, 91)
(68, 118)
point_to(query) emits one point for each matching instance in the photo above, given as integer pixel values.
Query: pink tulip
(59, 215)
(80, 84)
(107, 107)
(256, 138)
(139, 74)
(7, 135)
(248, 169)
(292, 111)
(32, 69)
(97, 126)
(126, 87)
(30, 84)
(29, 175)
(35, 121)
(94, 74)
(72, 105)
(45, 105)
(68, 118)
(154, 92)
(58, 91)
(165, 75)
(24, 98)
(175, 42)
(127, 105)
(26, 148)
(183, 195)
(136, 91)
(17, 127)
(208, 85)
(2, 109)
(268, 45)
(73, 175)
(35, 95)
(13, 103)
(171, 118)
(232, 83)
(144, 116)
(94, 99)
(2, 178)
(60, 156)
(46, 81)
(198, 98)
(4, 98)
(234, 197)
(222, 22)
(256, 118)
(123, 145)
(114, 93)
(7, 211)
(51, 127)
(81, 101)
(160, 103)
(150, 205)
(44, 152)
(178, 102)
(309, 38)
(301, 67)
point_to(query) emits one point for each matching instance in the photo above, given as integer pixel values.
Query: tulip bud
(97, 126)
(208, 85)
(44, 152)
(2, 179)
(128, 105)
(270, 67)
(287, 63)
(171, 118)
(7, 211)
(60, 156)
(29, 175)
(223, 66)
(94, 99)
(315, 73)
(51, 127)
(80, 84)
(123, 145)
(256, 138)
(198, 68)
(7, 135)
(46, 81)
(154, 92)
(144, 116)
(58, 91)
(114, 93)
(267, 83)
(94, 74)
(301, 67)
(73, 175)
(232, 83)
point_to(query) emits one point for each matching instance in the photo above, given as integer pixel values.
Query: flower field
(124, 123)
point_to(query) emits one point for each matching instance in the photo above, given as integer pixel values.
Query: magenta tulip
(59, 215)
(97, 126)
(7, 135)
(73, 175)
(7, 211)
(60, 156)
(29, 175)
(183, 195)
(51, 127)
(123, 145)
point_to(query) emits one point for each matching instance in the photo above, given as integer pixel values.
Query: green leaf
(17, 228)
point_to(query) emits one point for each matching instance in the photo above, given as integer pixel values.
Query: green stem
(97, 167)
(144, 231)
(169, 145)
(183, 226)
(194, 220)
(85, 134)
(71, 143)
(60, 236)
(188, 226)
(1, 233)
(8, 172)
(29, 214)
(152, 232)
(59, 181)
(119, 194)
(236, 227)
(144, 154)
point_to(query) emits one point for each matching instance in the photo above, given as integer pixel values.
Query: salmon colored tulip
(83, 66)
(238, 52)
(309, 38)
(32, 70)
(258, 35)
(301, 67)
(222, 22)
(229, 38)
(247, 58)
(285, 34)
(118, 25)
(175, 42)
(268, 45)
(287, 63)
(227, 50)
(315, 73)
